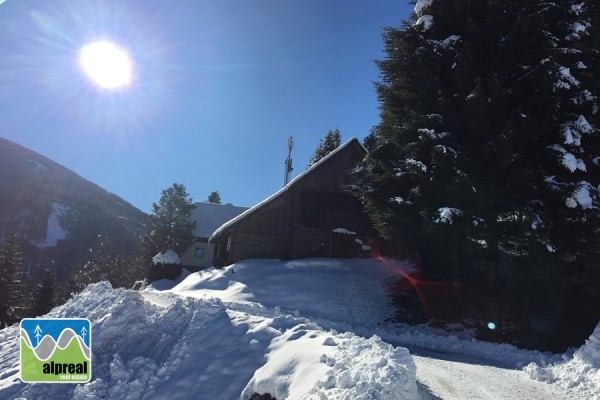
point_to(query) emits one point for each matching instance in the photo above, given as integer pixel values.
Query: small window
(199, 252)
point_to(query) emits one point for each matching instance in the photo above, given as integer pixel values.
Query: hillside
(57, 214)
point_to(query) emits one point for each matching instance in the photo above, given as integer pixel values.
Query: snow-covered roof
(286, 187)
(209, 216)
(168, 257)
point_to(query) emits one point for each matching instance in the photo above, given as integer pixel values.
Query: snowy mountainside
(46, 205)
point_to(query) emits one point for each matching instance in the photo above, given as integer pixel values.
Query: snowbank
(158, 344)
(353, 291)
(144, 347)
(579, 374)
(308, 363)
(301, 329)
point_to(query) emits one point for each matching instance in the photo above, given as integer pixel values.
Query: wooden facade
(312, 216)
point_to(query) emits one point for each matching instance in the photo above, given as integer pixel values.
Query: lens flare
(107, 64)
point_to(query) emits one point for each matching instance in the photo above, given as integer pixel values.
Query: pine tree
(472, 106)
(11, 260)
(331, 141)
(569, 218)
(214, 197)
(170, 227)
(44, 293)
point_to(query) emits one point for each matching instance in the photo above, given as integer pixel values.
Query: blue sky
(218, 88)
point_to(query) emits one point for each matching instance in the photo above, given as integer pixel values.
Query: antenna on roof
(288, 162)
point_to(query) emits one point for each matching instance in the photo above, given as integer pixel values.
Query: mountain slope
(57, 214)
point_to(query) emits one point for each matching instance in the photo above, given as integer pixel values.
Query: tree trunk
(492, 250)
(458, 261)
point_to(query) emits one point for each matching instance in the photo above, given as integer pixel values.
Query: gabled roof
(209, 216)
(285, 188)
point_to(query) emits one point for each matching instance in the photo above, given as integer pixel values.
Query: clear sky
(217, 89)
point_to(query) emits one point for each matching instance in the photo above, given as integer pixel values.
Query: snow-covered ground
(304, 329)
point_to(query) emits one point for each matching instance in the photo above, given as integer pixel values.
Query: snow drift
(579, 374)
(160, 344)
(300, 329)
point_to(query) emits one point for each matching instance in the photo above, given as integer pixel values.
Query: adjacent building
(208, 217)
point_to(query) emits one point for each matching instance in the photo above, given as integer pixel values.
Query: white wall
(192, 262)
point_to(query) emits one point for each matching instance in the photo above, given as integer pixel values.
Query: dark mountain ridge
(57, 215)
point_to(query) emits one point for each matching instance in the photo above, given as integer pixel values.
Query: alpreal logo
(56, 350)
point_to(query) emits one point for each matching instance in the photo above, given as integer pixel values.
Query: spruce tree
(475, 101)
(44, 293)
(214, 197)
(169, 227)
(569, 217)
(331, 141)
(11, 260)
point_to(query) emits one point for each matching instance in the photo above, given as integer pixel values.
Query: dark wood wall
(299, 222)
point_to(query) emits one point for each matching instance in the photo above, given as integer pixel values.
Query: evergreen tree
(476, 98)
(569, 217)
(214, 197)
(11, 260)
(331, 141)
(170, 227)
(102, 263)
(44, 294)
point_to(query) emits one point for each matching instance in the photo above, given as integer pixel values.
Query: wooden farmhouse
(312, 216)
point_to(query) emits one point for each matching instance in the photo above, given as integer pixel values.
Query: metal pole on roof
(288, 162)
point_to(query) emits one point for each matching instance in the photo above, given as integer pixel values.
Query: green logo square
(56, 350)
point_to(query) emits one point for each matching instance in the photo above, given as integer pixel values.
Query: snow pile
(368, 369)
(168, 257)
(579, 374)
(186, 343)
(143, 348)
(462, 342)
(323, 367)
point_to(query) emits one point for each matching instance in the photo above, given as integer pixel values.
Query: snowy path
(449, 376)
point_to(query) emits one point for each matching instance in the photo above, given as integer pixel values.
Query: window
(199, 252)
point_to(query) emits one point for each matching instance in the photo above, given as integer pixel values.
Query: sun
(106, 64)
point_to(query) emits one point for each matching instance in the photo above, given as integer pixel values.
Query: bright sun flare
(107, 64)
